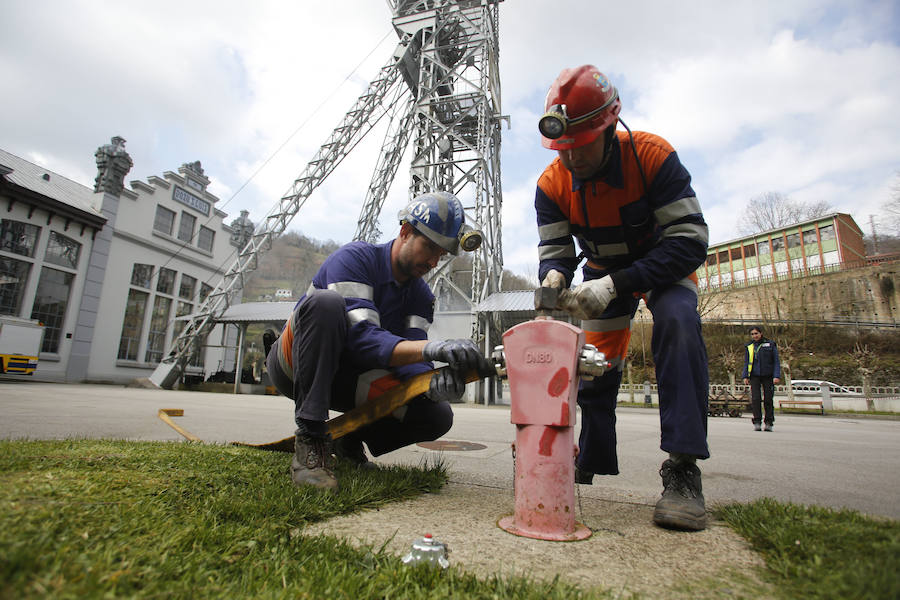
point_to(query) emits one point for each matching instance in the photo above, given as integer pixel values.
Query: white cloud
(798, 97)
(520, 238)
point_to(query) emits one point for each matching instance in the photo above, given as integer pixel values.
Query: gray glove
(554, 279)
(593, 297)
(461, 355)
(446, 385)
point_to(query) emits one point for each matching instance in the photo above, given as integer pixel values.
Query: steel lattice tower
(440, 88)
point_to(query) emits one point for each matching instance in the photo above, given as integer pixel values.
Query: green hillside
(294, 259)
(290, 264)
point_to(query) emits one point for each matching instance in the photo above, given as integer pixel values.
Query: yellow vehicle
(20, 345)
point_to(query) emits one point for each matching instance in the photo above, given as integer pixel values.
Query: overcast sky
(798, 97)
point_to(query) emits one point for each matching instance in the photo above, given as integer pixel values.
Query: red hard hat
(581, 104)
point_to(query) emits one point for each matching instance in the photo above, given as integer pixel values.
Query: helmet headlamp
(553, 124)
(556, 121)
(470, 239)
(439, 216)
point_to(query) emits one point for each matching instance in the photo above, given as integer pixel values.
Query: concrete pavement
(836, 461)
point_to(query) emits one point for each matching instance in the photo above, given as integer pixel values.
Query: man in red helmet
(628, 201)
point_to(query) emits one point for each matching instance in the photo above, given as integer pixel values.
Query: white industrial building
(108, 272)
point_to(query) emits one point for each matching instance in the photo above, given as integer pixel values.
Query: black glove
(446, 385)
(461, 355)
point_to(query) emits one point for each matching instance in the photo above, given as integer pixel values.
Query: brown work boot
(350, 448)
(682, 505)
(312, 463)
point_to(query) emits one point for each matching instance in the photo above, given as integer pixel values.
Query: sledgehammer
(548, 299)
(371, 410)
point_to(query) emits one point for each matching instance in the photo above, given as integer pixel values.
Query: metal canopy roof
(250, 312)
(253, 312)
(257, 311)
(514, 301)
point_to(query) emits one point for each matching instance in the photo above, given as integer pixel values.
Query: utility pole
(874, 234)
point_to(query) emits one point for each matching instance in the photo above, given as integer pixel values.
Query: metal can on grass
(428, 550)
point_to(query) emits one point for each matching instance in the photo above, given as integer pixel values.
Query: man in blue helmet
(360, 329)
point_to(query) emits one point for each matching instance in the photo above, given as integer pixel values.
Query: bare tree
(766, 302)
(516, 281)
(786, 354)
(731, 357)
(629, 361)
(886, 239)
(866, 362)
(892, 206)
(709, 302)
(773, 210)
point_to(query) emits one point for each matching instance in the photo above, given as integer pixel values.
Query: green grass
(92, 519)
(814, 552)
(97, 519)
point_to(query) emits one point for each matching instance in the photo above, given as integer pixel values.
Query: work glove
(446, 385)
(461, 355)
(593, 297)
(554, 279)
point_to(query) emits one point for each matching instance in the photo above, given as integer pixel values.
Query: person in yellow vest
(762, 370)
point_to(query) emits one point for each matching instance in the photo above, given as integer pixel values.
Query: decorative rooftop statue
(113, 163)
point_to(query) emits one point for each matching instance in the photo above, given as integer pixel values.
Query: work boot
(757, 427)
(582, 476)
(350, 448)
(768, 427)
(312, 463)
(682, 505)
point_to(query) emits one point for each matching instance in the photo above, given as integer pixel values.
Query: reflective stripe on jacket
(380, 312)
(647, 237)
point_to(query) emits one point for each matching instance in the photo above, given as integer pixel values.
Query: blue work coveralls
(638, 221)
(334, 351)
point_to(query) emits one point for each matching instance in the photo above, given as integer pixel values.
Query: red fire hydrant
(543, 359)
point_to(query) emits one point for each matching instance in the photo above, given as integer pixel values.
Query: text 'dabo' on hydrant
(542, 359)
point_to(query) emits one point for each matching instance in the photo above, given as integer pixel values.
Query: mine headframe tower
(440, 87)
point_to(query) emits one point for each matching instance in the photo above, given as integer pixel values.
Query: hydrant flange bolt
(592, 363)
(499, 358)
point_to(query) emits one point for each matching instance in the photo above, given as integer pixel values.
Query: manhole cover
(451, 445)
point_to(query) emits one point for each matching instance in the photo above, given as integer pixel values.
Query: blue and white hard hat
(439, 216)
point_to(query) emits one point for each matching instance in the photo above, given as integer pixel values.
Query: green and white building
(108, 270)
(828, 243)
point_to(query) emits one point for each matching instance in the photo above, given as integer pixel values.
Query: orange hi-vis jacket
(645, 229)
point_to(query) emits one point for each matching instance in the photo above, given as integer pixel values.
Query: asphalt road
(836, 461)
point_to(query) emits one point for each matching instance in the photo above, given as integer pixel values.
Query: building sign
(191, 200)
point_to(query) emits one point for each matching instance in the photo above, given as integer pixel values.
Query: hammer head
(546, 299)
